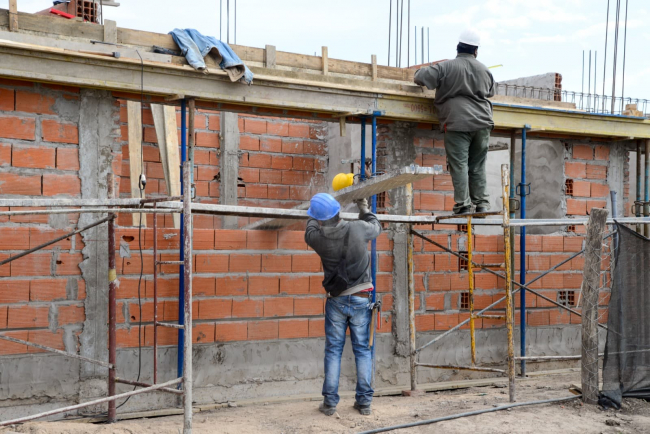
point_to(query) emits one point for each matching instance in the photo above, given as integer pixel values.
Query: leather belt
(364, 294)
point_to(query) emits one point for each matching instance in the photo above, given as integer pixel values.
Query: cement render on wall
(235, 371)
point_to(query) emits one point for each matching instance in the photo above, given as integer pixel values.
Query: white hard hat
(470, 37)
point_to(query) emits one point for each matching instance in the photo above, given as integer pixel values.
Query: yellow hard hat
(342, 180)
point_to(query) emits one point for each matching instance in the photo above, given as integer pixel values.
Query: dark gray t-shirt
(328, 243)
(463, 86)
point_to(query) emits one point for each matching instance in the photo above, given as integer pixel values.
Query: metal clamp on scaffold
(514, 205)
(525, 190)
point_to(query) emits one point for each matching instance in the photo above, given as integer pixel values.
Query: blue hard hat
(323, 207)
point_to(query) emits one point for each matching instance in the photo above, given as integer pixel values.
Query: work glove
(362, 204)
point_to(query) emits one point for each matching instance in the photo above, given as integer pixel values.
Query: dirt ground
(303, 416)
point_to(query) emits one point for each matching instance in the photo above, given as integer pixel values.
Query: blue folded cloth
(195, 46)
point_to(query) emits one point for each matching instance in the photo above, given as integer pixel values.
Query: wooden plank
(13, 15)
(44, 24)
(590, 287)
(269, 56)
(110, 31)
(134, 117)
(325, 59)
(374, 67)
(145, 39)
(164, 119)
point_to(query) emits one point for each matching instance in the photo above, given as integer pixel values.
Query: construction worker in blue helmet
(343, 250)
(463, 86)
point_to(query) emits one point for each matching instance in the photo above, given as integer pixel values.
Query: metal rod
(470, 273)
(415, 50)
(181, 282)
(56, 240)
(428, 46)
(408, 36)
(522, 253)
(549, 358)
(155, 298)
(170, 262)
(112, 304)
(141, 384)
(187, 299)
(583, 72)
(605, 61)
(422, 45)
(228, 22)
(624, 51)
(401, 35)
(90, 403)
(89, 211)
(470, 413)
(83, 202)
(170, 325)
(637, 207)
(362, 161)
(191, 109)
(618, 11)
(54, 350)
(390, 22)
(462, 368)
(411, 291)
(646, 206)
(589, 83)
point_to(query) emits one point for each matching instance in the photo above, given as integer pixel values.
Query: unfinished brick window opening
(567, 298)
(462, 262)
(569, 187)
(464, 300)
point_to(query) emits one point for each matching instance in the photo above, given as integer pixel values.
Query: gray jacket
(463, 86)
(327, 241)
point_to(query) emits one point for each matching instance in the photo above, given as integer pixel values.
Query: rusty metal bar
(54, 350)
(187, 311)
(462, 368)
(56, 240)
(155, 297)
(141, 384)
(91, 403)
(112, 304)
(507, 247)
(470, 272)
(548, 358)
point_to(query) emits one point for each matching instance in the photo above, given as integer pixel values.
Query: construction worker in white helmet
(463, 86)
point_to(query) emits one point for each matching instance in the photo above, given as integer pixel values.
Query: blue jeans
(341, 312)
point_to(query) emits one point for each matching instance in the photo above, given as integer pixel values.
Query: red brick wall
(41, 295)
(248, 285)
(586, 172)
(282, 161)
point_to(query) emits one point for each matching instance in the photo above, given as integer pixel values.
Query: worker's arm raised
(371, 225)
(429, 76)
(313, 229)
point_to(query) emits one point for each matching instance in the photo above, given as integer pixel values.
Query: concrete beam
(289, 90)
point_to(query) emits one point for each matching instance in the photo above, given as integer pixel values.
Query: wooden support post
(134, 117)
(13, 15)
(110, 31)
(590, 285)
(164, 119)
(325, 62)
(269, 56)
(374, 67)
(342, 125)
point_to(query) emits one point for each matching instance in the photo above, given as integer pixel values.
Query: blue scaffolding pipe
(522, 251)
(373, 254)
(362, 161)
(181, 281)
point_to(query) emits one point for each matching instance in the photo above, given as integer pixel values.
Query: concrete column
(395, 149)
(97, 122)
(229, 164)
